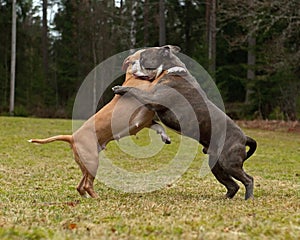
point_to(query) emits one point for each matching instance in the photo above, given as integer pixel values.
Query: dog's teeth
(137, 125)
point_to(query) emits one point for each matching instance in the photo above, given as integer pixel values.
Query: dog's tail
(251, 143)
(64, 138)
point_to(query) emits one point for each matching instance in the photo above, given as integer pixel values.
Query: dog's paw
(177, 70)
(119, 90)
(165, 138)
(116, 88)
(167, 141)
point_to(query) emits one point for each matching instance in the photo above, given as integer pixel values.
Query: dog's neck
(163, 73)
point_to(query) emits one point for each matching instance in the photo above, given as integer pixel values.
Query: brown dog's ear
(126, 64)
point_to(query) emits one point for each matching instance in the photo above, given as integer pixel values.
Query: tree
(274, 26)
(146, 22)
(211, 35)
(162, 24)
(45, 39)
(251, 60)
(133, 24)
(256, 49)
(13, 59)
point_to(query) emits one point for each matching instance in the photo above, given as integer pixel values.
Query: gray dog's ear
(165, 51)
(174, 49)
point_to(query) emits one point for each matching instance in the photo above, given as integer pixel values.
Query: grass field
(38, 199)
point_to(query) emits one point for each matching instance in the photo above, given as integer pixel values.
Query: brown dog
(106, 125)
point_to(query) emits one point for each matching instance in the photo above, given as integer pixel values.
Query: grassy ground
(38, 199)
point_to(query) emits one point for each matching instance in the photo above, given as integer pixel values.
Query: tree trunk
(146, 23)
(13, 60)
(250, 62)
(94, 51)
(187, 27)
(133, 24)
(45, 40)
(211, 35)
(162, 23)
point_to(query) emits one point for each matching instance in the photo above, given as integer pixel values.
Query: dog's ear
(126, 64)
(174, 49)
(166, 50)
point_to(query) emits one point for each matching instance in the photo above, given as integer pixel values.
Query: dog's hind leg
(90, 160)
(80, 186)
(89, 186)
(247, 180)
(86, 185)
(87, 182)
(233, 165)
(224, 178)
(86, 155)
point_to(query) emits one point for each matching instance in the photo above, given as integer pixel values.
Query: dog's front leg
(161, 131)
(153, 99)
(144, 97)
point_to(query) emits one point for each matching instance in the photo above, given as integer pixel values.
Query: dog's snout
(135, 66)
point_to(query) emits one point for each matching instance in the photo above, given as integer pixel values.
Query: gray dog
(182, 105)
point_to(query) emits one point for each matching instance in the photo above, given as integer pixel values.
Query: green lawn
(38, 197)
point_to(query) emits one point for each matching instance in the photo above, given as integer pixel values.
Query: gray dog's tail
(251, 143)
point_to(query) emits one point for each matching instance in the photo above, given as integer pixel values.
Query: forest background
(250, 48)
